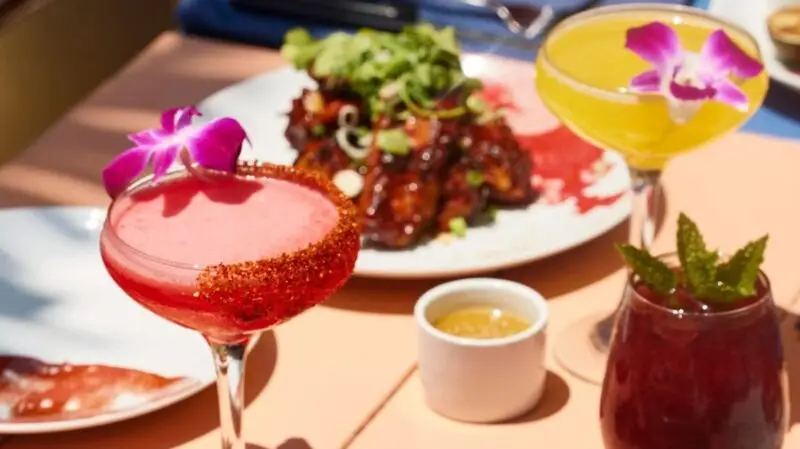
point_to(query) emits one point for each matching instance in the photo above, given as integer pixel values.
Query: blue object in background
(779, 117)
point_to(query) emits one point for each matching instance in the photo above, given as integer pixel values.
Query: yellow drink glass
(651, 82)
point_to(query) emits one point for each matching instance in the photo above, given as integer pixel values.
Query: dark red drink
(687, 375)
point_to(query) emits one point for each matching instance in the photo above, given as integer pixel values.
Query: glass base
(579, 350)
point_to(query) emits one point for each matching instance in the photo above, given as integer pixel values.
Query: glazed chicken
(461, 197)
(315, 115)
(401, 129)
(454, 169)
(506, 169)
(451, 170)
(401, 194)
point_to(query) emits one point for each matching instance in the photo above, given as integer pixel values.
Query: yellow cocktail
(602, 108)
(649, 81)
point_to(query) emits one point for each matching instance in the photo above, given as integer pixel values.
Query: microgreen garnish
(318, 130)
(215, 145)
(474, 178)
(394, 141)
(458, 226)
(476, 104)
(702, 272)
(688, 79)
(392, 72)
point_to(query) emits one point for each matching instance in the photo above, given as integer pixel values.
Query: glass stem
(646, 202)
(229, 360)
(642, 232)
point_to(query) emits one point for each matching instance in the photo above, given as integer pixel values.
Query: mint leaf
(653, 272)
(718, 292)
(740, 272)
(698, 263)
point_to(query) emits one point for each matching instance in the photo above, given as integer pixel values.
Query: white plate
(516, 238)
(752, 16)
(58, 304)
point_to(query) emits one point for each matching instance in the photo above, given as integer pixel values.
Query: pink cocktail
(230, 255)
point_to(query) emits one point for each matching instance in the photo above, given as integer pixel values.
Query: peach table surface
(342, 375)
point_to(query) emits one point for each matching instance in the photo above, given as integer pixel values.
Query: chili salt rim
(338, 248)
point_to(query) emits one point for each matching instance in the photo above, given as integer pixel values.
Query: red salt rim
(292, 274)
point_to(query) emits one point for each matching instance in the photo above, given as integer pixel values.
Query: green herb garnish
(476, 104)
(491, 212)
(318, 130)
(474, 178)
(653, 272)
(698, 263)
(413, 68)
(394, 141)
(740, 272)
(458, 226)
(701, 270)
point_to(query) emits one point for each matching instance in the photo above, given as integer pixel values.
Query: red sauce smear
(498, 96)
(35, 391)
(564, 166)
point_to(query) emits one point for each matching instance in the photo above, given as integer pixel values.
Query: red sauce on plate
(498, 96)
(33, 390)
(564, 166)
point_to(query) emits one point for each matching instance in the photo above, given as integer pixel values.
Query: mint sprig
(703, 273)
(740, 272)
(653, 272)
(698, 263)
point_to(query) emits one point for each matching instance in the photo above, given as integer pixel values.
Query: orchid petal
(168, 120)
(646, 82)
(722, 56)
(691, 93)
(217, 144)
(148, 137)
(728, 93)
(183, 117)
(163, 160)
(656, 43)
(124, 168)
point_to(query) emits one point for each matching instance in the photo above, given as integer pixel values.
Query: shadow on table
(385, 296)
(556, 395)
(291, 443)
(63, 173)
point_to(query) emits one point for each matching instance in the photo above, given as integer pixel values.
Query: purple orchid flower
(684, 76)
(215, 145)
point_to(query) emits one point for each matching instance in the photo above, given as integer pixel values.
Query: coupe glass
(690, 380)
(231, 304)
(583, 72)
